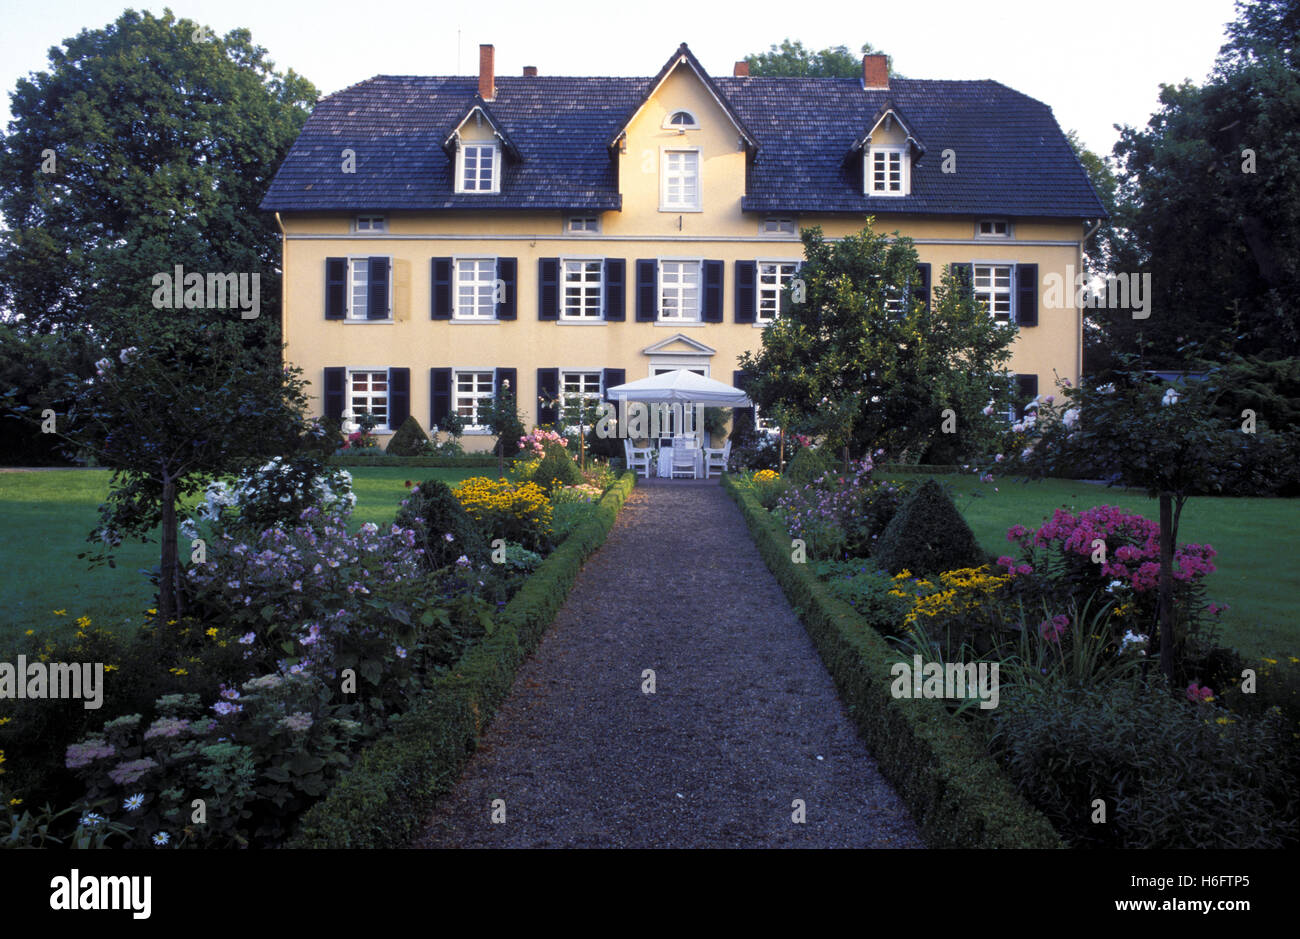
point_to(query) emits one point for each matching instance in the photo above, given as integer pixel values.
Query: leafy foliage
(792, 59)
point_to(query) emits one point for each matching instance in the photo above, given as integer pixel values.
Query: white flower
(127, 354)
(1171, 397)
(161, 838)
(1110, 587)
(448, 537)
(103, 365)
(1107, 389)
(131, 803)
(988, 411)
(1070, 417)
(462, 561)
(91, 820)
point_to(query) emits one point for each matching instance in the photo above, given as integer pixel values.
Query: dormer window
(888, 171)
(583, 224)
(993, 228)
(681, 120)
(371, 223)
(478, 168)
(777, 225)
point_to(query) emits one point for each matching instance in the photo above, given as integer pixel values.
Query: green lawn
(44, 519)
(1257, 573)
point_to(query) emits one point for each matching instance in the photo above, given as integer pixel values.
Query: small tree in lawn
(859, 357)
(168, 417)
(1133, 431)
(502, 417)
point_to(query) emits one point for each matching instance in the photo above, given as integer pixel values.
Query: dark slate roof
(1012, 158)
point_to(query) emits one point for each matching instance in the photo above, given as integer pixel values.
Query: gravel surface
(744, 719)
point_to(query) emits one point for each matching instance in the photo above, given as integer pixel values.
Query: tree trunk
(846, 458)
(169, 562)
(780, 452)
(1166, 606)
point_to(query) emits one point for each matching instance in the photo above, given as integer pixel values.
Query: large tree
(793, 59)
(1209, 202)
(147, 144)
(860, 356)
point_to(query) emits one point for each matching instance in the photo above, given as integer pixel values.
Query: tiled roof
(1011, 157)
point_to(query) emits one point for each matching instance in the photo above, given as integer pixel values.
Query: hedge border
(385, 798)
(957, 793)
(384, 459)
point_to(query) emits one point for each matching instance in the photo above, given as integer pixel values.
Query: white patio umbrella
(681, 385)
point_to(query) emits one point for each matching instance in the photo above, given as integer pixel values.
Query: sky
(1096, 64)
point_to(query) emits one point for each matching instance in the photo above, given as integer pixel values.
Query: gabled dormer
(888, 151)
(479, 147)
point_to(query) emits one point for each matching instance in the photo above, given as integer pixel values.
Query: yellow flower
(178, 671)
(1270, 661)
(59, 612)
(110, 668)
(1293, 660)
(1225, 720)
(171, 622)
(15, 801)
(152, 612)
(83, 621)
(5, 720)
(211, 632)
(30, 631)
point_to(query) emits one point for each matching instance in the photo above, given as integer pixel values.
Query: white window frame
(495, 186)
(565, 315)
(456, 313)
(1000, 236)
(476, 395)
(383, 428)
(664, 204)
(699, 290)
(361, 263)
(587, 395)
(373, 224)
(759, 289)
(904, 175)
(1011, 288)
(668, 120)
(572, 219)
(772, 225)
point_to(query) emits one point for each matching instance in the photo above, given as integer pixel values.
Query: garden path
(744, 719)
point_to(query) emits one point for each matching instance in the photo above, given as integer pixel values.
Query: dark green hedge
(385, 799)
(956, 792)
(385, 459)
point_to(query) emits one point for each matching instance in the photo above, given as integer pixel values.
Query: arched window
(682, 120)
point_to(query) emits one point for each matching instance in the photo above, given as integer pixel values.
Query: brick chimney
(742, 70)
(487, 85)
(530, 71)
(875, 71)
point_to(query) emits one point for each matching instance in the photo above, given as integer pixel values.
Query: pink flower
(1197, 693)
(1053, 629)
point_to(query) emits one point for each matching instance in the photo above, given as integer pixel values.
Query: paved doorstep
(744, 719)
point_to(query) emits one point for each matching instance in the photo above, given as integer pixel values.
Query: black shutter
(923, 291)
(647, 290)
(377, 289)
(615, 290)
(1027, 386)
(502, 375)
(506, 273)
(738, 381)
(336, 288)
(399, 396)
(964, 275)
(609, 378)
(1027, 294)
(714, 271)
(439, 396)
(548, 393)
(746, 291)
(440, 288)
(548, 288)
(336, 385)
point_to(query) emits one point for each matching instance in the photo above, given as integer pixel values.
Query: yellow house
(443, 235)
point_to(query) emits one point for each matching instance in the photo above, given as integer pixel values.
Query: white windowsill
(582, 322)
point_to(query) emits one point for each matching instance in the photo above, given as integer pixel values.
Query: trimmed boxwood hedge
(385, 459)
(958, 795)
(385, 798)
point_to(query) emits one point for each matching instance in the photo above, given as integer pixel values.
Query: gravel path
(744, 719)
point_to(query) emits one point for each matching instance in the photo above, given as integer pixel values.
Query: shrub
(1173, 774)
(277, 493)
(808, 465)
(866, 588)
(409, 440)
(927, 535)
(519, 513)
(768, 488)
(442, 526)
(557, 469)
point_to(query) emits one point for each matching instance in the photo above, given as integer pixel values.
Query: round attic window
(681, 120)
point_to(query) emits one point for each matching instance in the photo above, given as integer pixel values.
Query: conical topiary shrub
(434, 513)
(927, 535)
(409, 440)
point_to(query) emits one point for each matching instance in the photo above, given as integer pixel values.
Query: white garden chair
(715, 459)
(684, 453)
(637, 459)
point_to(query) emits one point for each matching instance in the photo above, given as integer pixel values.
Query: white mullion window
(773, 276)
(887, 171)
(584, 385)
(476, 287)
(993, 288)
(582, 283)
(479, 168)
(368, 394)
(680, 180)
(679, 291)
(358, 288)
(473, 390)
(371, 223)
